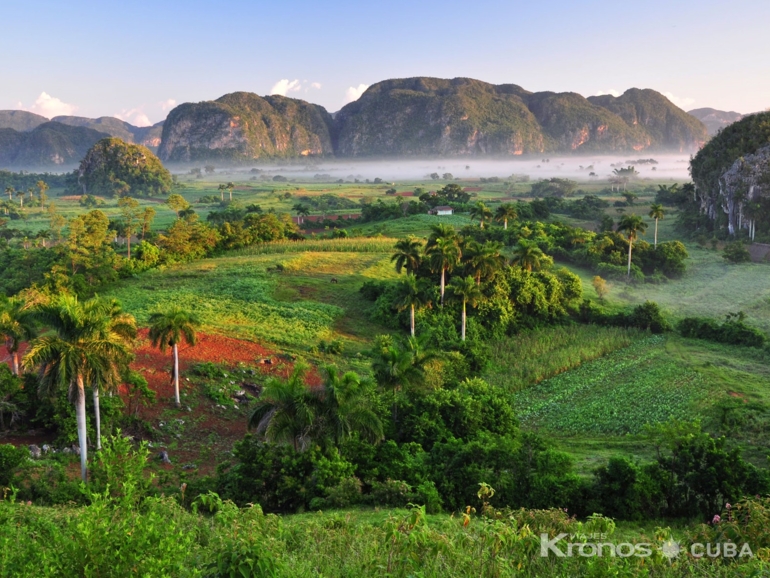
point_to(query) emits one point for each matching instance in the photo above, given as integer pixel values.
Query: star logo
(670, 549)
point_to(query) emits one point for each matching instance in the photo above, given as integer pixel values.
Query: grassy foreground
(118, 537)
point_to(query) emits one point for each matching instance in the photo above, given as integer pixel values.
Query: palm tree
(10, 192)
(290, 412)
(170, 327)
(222, 188)
(20, 195)
(77, 349)
(656, 212)
(465, 290)
(410, 296)
(302, 211)
(440, 231)
(529, 256)
(230, 186)
(484, 260)
(17, 324)
(341, 409)
(397, 366)
(443, 256)
(632, 225)
(481, 212)
(407, 255)
(506, 212)
(284, 413)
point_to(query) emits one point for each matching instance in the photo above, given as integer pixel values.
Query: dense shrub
(279, 478)
(733, 331)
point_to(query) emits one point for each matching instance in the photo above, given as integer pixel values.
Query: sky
(138, 60)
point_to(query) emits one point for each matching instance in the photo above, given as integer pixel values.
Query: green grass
(349, 245)
(531, 357)
(294, 309)
(709, 288)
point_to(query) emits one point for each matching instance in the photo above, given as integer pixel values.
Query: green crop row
(531, 357)
(617, 394)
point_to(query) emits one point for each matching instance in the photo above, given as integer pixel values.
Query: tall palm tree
(230, 186)
(222, 188)
(484, 260)
(506, 212)
(119, 326)
(443, 257)
(656, 212)
(481, 212)
(632, 225)
(285, 412)
(170, 327)
(529, 256)
(408, 255)
(410, 296)
(302, 211)
(17, 325)
(77, 350)
(10, 192)
(465, 290)
(20, 195)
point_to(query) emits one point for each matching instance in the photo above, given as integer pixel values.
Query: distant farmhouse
(441, 210)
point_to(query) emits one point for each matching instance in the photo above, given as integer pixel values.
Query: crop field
(529, 358)
(617, 394)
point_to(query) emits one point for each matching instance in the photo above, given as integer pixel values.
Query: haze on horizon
(93, 59)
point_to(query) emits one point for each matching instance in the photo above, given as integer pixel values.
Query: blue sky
(137, 59)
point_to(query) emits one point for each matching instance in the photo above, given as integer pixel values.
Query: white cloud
(316, 85)
(681, 102)
(611, 91)
(285, 85)
(135, 116)
(167, 105)
(354, 93)
(50, 106)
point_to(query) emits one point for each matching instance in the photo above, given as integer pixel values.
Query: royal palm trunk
(412, 319)
(98, 419)
(443, 272)
(176, 376)
(463, 323)
(80, 416)
(630, 247)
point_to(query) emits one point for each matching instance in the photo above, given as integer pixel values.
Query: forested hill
(243, 126)
(467, 117)
(419, 116)
(714, 119)
(48, 145)
(430, 117)
(732, 178)
(31, 141)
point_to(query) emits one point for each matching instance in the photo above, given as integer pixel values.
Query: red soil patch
(156, 366)
(228, 425)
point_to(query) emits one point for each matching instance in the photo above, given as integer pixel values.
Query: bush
(648, 316)
(735, 252)
(11, 458)
(345, 494)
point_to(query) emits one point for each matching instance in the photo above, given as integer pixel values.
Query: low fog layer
(664, 167)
